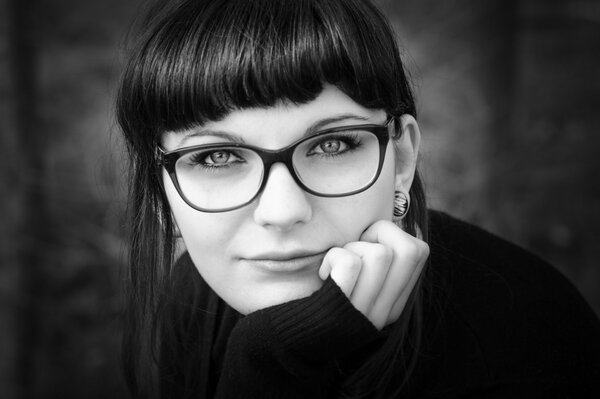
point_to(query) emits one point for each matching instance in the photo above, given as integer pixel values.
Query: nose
(282, 204)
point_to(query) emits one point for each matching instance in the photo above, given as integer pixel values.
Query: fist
(379, 272)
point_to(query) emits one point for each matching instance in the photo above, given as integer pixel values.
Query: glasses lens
(339, 162)
(219, 178)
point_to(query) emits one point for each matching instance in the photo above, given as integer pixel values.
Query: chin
(274, 293)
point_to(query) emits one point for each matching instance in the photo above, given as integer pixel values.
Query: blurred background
(509, 99)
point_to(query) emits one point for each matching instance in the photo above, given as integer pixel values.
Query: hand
(379, 272)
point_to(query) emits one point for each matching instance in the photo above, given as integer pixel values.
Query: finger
(344, 268)
(384, 232)
(400, 304)
(409, 254)
(397, 280)
(376, 260)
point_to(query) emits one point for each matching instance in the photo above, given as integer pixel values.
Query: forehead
(278, 126)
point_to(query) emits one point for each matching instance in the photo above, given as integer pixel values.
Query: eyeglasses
(335, 162)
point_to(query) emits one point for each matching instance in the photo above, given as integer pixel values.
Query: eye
(334, 144)
(217, 158)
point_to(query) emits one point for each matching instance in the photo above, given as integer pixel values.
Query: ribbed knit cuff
(322, 327)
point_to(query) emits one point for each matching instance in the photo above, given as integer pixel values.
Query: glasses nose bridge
(285, 156)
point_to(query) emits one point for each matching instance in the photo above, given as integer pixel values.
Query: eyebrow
(314, 128)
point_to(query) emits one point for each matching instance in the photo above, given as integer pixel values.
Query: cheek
(203, 233)
(352, 215)
(208, 239)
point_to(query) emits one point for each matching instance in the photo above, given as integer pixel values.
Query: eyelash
(199, 159)
(350, 139)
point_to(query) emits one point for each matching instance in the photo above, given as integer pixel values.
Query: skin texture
(350, 238)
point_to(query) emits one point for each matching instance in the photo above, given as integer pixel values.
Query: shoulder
(479, 257)
(516, 315)
(464, 255)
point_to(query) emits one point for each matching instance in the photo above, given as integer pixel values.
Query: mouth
(286, 263)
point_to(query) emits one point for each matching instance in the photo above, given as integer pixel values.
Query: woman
(278, 140)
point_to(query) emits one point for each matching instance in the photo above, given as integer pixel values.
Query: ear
(406, 141)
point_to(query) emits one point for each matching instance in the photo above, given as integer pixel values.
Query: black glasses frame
(168, 160)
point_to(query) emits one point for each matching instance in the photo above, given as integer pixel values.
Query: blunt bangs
(199, 60)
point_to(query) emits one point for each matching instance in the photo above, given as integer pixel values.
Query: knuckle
(383, 254)
(383, 224)
(353, 246)
(419, 248)
(425, 249)
(335, 252)
(348, 259)
(354, 262)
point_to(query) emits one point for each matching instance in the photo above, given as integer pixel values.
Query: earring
(401, 205)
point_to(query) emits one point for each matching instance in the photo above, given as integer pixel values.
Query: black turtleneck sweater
(498, 323)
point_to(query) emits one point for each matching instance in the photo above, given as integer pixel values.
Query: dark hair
(196, 61)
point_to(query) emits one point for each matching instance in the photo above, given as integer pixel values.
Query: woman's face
(269, 251)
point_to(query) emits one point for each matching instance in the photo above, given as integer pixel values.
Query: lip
(275, 262)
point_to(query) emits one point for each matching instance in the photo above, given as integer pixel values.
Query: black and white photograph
(299, 199)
